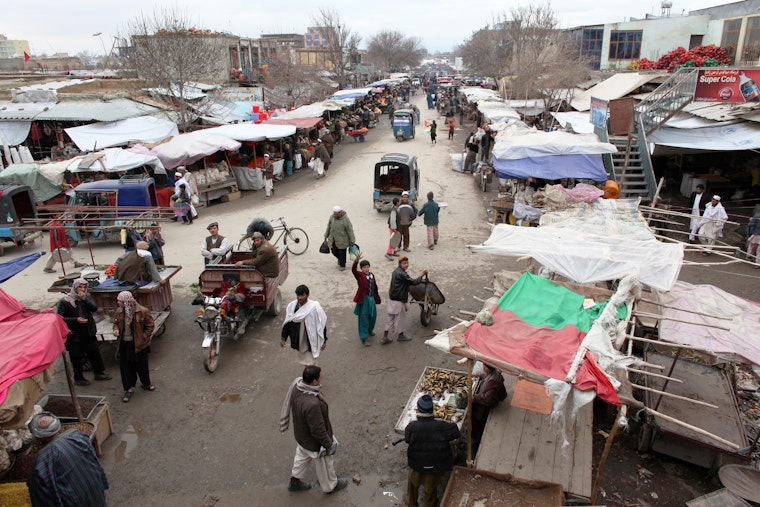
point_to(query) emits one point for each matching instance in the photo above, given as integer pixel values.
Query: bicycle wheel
(296, 240)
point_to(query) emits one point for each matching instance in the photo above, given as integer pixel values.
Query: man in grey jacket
(313, 432)
(406, 215)
(339, 235)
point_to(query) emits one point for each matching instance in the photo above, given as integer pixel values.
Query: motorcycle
(219, 317)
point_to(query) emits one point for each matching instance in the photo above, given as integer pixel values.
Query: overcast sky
(69, 26)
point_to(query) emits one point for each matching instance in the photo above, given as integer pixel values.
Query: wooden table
(521, 443)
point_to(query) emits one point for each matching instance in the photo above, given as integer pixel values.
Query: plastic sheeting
(145, 129)
(593, 246)
(554, 167)
(252, 131)
(14, 133)
(516, 142)
(737, 136)
(29, 174)
(117, 160)
(695, 303)
(185, 149)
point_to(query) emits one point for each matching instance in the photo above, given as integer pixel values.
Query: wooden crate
(101, 418)
(232, 196)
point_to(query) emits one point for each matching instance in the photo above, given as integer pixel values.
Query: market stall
(214, 181)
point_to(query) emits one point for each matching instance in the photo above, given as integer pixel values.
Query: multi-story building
(614, 46)
(13, 48)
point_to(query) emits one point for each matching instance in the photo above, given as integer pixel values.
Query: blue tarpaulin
(553, 167)
(12, 268)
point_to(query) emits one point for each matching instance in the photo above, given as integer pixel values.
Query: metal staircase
(631, 166)
(669, 98)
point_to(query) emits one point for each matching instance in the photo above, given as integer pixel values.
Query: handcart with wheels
(428, 296)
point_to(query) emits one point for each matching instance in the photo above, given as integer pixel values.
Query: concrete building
(13, 48)
(615, 46)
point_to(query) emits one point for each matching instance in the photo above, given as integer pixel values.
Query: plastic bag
(353, 251)
(324, 247)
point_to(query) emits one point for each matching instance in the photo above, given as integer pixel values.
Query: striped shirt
(66, 472)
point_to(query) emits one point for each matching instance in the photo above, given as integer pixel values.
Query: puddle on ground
(232, 398)
(129, 440)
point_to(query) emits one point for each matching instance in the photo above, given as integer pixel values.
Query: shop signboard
(727, 85)
(599, 109)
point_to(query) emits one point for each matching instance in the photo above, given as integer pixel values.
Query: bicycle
(294, 238)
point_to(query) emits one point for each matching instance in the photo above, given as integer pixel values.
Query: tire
(425, 315)
(399, 138)
(211, 356)
(276, 307)
(2, 250)
(296, 240)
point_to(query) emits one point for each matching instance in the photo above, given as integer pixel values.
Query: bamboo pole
(668, 344)
(465, 312)
(642, 372)
(456, 319)
(663, 317)
(687, 215)
(72, 388)
(605, 454)
(470, 461)
(725, 442)
(671, 395)
(479, 300)
(683, 310)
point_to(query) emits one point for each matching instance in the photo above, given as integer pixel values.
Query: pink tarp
(740, 343)
(30, 340)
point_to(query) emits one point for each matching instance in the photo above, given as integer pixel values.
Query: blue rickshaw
(403, 124)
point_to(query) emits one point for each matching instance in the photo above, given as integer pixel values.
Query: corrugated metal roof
(718, 111)
(615, 87)
(75, 110)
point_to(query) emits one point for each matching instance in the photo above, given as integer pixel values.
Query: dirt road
(202, 439)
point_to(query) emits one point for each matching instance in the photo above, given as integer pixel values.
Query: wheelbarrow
(428, 296)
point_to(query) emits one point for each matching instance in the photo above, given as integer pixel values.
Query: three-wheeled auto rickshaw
(394, 174)
(230, 297)
(16, 205)
(403, 124)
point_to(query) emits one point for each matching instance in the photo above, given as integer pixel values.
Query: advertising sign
(599, 109)
(727, 85)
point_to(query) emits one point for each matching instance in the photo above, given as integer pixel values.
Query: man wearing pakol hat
(216, 248)
(268, 169)
(339, 235)
(429, 453)
(138, 266)
(264, 258)
(315, 441)
(711, 225)
(305, 326)
(398, 300)
(66, 472)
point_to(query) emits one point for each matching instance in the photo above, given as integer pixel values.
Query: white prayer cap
(337, 209)
(716, 198)
(177, 175)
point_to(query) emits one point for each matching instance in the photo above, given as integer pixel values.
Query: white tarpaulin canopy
(736, 136)
(310, 110)
(117, 160)
(592, 244)
(13, 133)
(185, 149)
(144, 129)
(253, 131)
(517, 141)
(739, 344)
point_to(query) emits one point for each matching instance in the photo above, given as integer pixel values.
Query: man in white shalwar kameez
(306, 327)
(711, 225)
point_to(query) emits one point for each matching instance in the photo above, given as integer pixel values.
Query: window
(625, 45)
(591, 46)
(752, 40)
(730, 39)
(695, 40)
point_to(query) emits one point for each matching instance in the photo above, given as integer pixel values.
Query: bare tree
(542, 60)
(484, 53)
(292, 85)
(392, 51)
(170, 55)
(341, 42)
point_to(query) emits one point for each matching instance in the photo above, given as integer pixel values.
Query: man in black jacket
(398, 300)
(697, 203)
(429, 454)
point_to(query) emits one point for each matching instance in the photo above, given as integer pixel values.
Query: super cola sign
(727, 85)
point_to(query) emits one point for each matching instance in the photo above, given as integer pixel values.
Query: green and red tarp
(538, 326)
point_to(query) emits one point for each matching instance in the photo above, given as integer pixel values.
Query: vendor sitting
(265, 257)
(137, 265)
